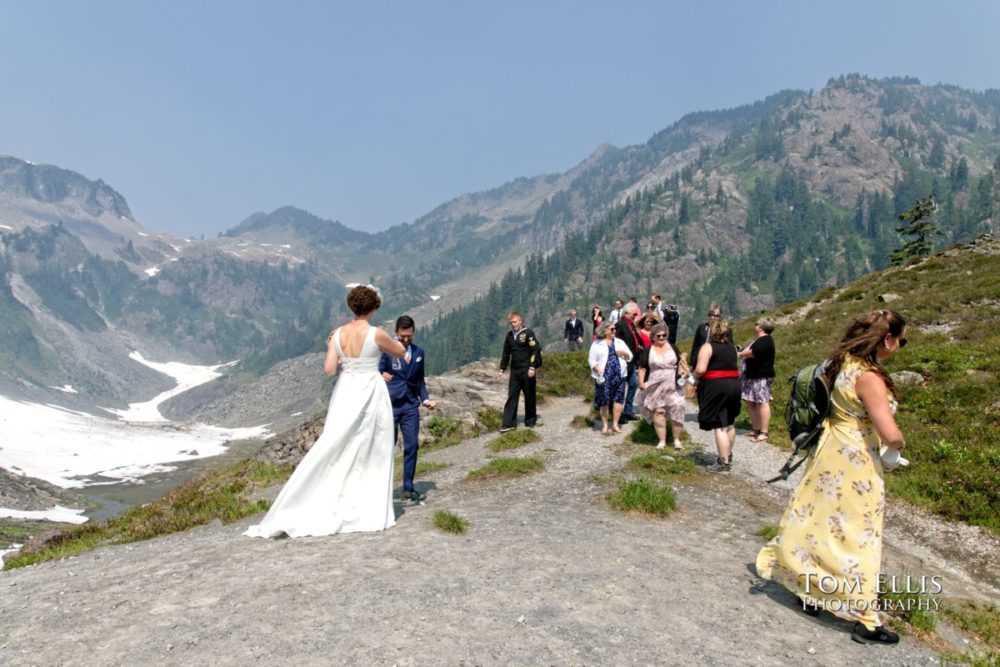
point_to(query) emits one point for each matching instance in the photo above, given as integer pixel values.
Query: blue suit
(408, 391)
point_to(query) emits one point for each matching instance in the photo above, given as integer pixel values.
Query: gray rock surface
(547, 574)
(18, 492)
(907, 378)
(459, 394)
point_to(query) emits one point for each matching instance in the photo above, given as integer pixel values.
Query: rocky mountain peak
(289, 219)
(49, 184)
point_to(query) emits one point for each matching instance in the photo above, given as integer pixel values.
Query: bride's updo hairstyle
(363, 300)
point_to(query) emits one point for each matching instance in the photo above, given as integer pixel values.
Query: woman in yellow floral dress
(828, 550)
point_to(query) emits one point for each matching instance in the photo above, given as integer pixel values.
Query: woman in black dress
(719, 390)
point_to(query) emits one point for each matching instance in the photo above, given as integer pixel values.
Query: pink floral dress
(661, 392)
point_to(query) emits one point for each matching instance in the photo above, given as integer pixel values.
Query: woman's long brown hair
(862, 339)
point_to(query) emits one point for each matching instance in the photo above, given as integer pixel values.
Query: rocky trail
(547, 574)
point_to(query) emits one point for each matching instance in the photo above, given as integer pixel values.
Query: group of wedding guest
(619, 363)
(635, 350)
(345, 481)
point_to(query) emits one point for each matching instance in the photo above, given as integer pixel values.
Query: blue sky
(372, 114)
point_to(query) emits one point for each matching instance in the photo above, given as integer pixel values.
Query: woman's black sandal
(880, 635)
(808, 608)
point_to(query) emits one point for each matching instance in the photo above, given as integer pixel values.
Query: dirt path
(547, 574)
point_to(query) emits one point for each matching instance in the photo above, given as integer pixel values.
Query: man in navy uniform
(573, 334)
(523, 353)
(408, 392)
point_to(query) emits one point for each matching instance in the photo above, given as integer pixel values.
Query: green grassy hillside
(951, 421)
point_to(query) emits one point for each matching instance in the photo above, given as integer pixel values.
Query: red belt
(715, 375)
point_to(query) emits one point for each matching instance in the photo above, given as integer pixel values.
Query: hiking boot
(880, 635)
(720, 467)
(505, 429)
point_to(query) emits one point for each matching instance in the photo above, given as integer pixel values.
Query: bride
(344, 482)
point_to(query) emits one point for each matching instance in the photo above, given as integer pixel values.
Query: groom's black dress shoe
(415, 496)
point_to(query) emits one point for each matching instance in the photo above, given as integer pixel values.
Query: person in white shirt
(616, 313)
(609, 357)
(658, 306)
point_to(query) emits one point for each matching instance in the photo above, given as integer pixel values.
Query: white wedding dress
(344, 483)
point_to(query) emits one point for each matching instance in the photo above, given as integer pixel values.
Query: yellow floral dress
(829, 545)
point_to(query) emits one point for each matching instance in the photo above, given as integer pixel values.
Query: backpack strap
(788, 468)
(803, 443)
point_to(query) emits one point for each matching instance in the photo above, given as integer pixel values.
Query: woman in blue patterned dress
(609, 372)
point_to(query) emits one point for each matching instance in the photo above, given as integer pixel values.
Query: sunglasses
(659, 337)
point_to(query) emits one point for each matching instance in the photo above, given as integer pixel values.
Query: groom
(408, 392)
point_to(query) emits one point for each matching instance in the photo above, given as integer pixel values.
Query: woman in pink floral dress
(659, 367)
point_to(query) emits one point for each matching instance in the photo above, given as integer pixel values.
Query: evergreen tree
(684, 216)
(720, 198)
(919, 226)
(859, 218)
(982, 202)
(936, 159)
(959, 175)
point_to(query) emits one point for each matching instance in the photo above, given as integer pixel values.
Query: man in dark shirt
(573, 334)
(523, 353)
(701, 333)
(672, 318)
(626, 330)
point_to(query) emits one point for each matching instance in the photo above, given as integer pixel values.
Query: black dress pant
(518, 382)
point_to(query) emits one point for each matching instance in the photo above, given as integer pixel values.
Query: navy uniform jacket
(521, 352)
(407, 388)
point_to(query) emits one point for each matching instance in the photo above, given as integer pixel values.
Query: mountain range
(751, 207)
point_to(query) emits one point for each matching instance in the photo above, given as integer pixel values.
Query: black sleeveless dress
(719, 389)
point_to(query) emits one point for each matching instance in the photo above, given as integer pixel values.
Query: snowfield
(74, 449)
